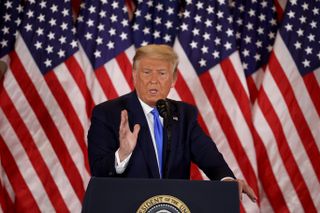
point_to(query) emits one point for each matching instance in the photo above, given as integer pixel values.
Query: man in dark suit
(123, 140)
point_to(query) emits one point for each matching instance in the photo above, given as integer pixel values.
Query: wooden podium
(153, 195)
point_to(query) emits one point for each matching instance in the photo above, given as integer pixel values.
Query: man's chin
(152, 101)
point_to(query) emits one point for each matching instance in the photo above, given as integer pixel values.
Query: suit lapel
(136, 116)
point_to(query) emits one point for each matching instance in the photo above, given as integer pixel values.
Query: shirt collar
(146, 108)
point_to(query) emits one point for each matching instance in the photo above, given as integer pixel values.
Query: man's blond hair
(157, 51)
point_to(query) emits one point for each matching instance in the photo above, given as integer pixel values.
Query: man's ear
(173, 83)
(174, 79)
(134, 76)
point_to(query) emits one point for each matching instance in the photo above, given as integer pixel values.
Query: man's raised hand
(127, 139)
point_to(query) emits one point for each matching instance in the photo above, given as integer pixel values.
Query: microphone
(164, 109)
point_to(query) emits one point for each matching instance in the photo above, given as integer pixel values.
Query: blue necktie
(158, 136)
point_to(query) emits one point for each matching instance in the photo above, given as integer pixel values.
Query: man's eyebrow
(160, 69)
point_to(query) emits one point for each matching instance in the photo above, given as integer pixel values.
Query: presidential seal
(163, 204)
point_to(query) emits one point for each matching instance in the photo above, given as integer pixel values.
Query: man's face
(153, 80)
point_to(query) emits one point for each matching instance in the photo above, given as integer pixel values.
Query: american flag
(11, 12)
(104, 33)
(58, 70)
(43, 147)
(286, 114)
(212, 78)
(256, 25)
(155, 22)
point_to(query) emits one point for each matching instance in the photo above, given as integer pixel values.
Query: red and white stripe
(286, 118)
(254, 83)
(45, 125)
(280, 7)
(105, 80)
(222, 98)
(6, 191)
(48, 117)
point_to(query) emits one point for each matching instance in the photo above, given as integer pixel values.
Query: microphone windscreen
(162, 107)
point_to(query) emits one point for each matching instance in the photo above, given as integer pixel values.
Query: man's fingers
(240, 185)
(124, 119)
(136, 130)
(245, 188)
(124, 125)
(249, 191)
(127, 139)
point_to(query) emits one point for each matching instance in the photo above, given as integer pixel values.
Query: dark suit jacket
(189, 143)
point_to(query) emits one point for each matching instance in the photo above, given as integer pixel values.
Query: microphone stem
(168, 148)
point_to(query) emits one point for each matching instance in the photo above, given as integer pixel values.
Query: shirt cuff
(121, 166)
(227, 178)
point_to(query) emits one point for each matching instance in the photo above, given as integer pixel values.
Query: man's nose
(154, 77)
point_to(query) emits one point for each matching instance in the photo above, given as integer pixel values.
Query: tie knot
(155, 112)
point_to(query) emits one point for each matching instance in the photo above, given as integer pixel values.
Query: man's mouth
(153, 91)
